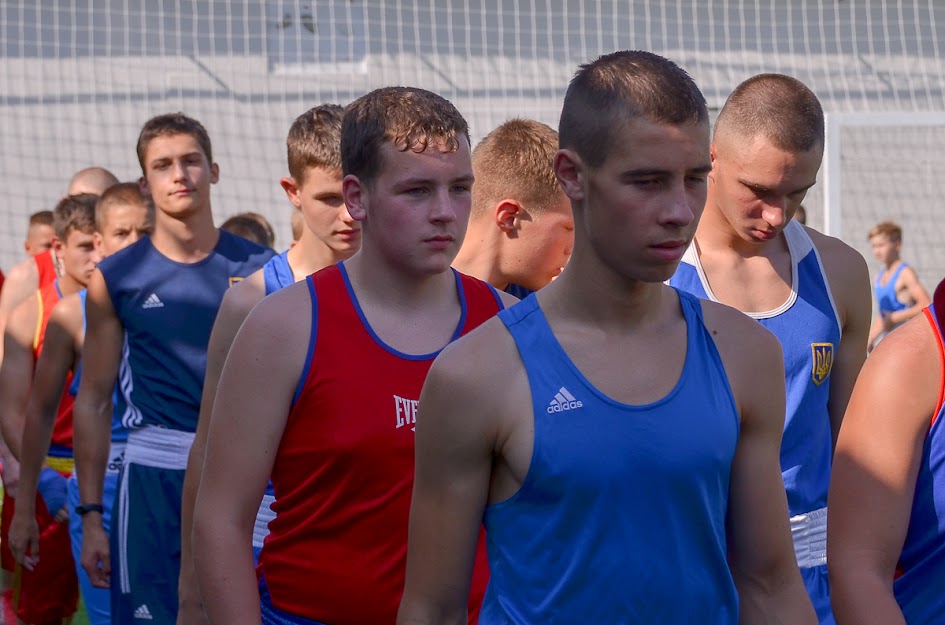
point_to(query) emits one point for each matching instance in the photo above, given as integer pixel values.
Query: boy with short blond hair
(521, 229)
(122, 215)
(47, 592)
(330, 235)
(40, 234)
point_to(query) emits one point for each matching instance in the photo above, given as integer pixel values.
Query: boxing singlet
(343, 474)
(886, 293)
(922, 563)
(61, 444)
(46, 268)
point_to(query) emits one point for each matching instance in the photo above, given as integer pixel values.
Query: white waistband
(263, 516)
(158, 447)
(810, 538)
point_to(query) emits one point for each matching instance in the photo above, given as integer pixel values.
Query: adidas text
(563, 401)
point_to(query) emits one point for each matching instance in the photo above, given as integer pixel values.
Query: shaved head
(778, 108)
(93, 180)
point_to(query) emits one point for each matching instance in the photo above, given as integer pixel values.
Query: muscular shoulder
(750, 353)
(21, 281)
(68, 314)
(909, 356)
(846, 269)
(243, 296)
(23, 320)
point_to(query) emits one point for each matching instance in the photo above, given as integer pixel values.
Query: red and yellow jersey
(46, 266)
(343, 474)
(47, 297)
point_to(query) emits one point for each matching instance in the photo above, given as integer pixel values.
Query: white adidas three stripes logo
(564, 400)
(153, 301)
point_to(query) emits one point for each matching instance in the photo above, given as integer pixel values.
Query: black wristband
(82, 510)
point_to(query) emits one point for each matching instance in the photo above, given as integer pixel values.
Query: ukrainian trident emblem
(823, 362)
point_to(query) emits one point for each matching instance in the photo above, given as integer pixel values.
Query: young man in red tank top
(49, 592)
(321, 386)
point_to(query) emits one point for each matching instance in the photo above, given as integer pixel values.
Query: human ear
(291, 191)
(506, 214)
(569, 169)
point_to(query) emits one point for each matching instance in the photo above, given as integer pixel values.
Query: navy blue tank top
(621, 517)
(167, 310)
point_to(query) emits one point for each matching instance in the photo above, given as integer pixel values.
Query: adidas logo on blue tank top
(563, 401)
(153, 301)
(143, 613)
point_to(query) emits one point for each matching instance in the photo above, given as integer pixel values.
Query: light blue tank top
(621, 517)
(119, 431)
(919, 588)
(886, 293)
(277, 273)
(808, 326)
(167, 310)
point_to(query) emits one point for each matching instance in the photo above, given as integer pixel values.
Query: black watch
(82, 510)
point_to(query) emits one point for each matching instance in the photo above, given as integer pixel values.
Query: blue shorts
(97, 600)
(145, 544)
(272, 615)
(818, 588)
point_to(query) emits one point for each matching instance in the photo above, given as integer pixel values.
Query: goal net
(79, 77)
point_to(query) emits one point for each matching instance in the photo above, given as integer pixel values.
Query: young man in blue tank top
(886, 540)
(899, 294)
(122, 215)
(618, 439)
(329, 235)
(150, 310)
(521, 229)
(810, 290)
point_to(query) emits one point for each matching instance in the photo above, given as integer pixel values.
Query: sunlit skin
(331, 230)
(123, 225)
(546, 242)
(39, 239)
(178, 175)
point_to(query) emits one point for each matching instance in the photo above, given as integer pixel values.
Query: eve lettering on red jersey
(406, 410)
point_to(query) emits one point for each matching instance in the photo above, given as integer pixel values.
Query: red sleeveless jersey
(48, 296)
(46, 266)
(343, 476)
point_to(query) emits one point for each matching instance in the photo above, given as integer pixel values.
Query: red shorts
(6, 518)
(50, 592)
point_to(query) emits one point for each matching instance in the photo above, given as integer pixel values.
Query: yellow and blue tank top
(921, 572)
(809, 328)
(167, 310)
(621, 516)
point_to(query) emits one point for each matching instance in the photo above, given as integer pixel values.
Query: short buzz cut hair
(890, 228)
(251, 226)
(74, 212)
(617, 89)
(171, 124)
(41, 218)
(778, 108)
(515, 161)
(315, 141)
(408, 117)
(121, 194)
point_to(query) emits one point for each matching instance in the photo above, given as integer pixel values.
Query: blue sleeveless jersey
(119, 407)
(919, 588)
(167, 310)
(886, 294)
(621, 517)
(808, 326)
(277, 273)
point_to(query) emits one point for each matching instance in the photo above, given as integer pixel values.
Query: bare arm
(22, 281)
(761, 552)
(850, 284)
(454, 455)
(237, 303)
(917, 293)
(875, 469)
(16, 374)
(93, 420)
(52, 369)
(253, 400)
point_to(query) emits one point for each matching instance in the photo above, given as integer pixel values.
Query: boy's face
(758, 187)
(39, 239)
(123, 224)
(324, 213)
(78, 255)
(885, 249)
(178, 176)
(543, 245)
(639, 209)
(417, 209)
